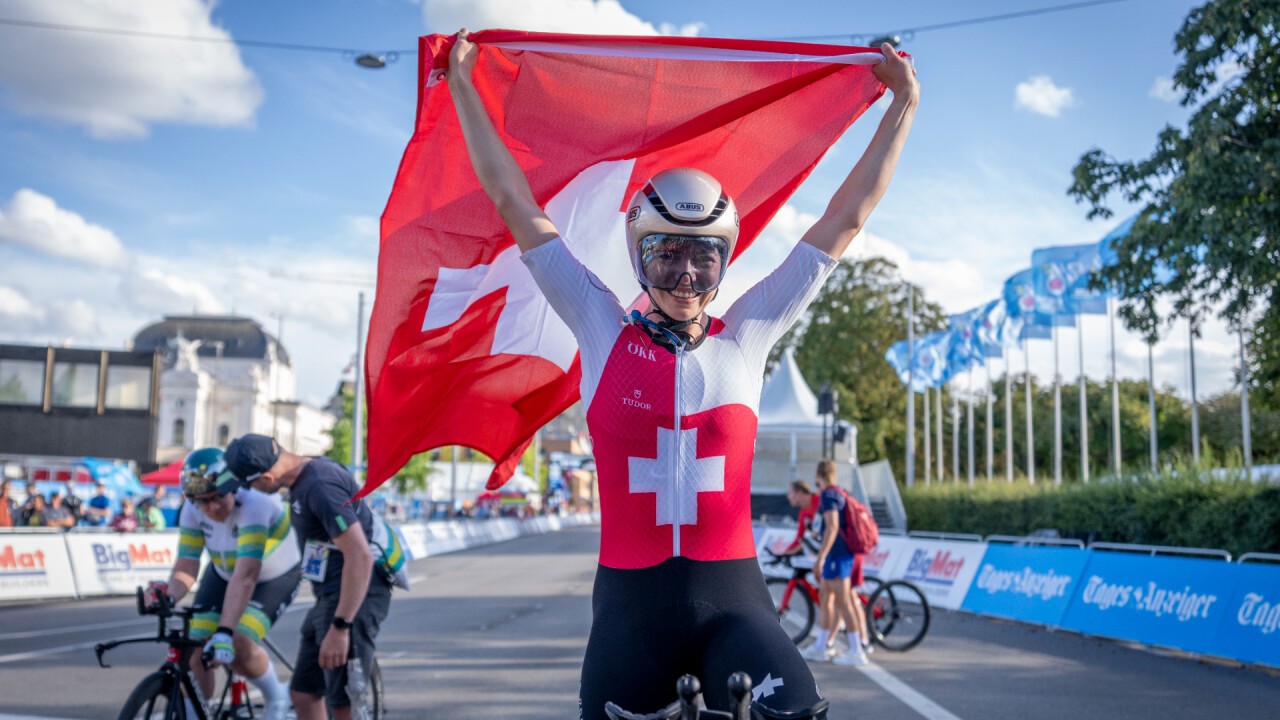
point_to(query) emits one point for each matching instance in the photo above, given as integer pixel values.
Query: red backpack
(859, 528)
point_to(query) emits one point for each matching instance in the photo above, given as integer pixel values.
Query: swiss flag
(463, 349)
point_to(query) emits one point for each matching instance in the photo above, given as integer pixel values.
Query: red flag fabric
(463, 349)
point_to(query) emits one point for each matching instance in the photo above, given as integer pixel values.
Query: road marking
(47, 651)
(908, 695)
(68, 629)
(414, 579)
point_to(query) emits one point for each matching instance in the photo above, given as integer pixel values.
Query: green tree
(841, 341)
(1208, 230)
(413, 477)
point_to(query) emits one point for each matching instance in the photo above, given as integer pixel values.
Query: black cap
(249, 456)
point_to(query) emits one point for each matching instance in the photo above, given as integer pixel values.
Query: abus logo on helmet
(691, 207)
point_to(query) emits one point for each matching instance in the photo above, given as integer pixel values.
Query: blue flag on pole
(1061, 276)
(1020, 302)
(965, 351)
(931, 357)
(994, 329)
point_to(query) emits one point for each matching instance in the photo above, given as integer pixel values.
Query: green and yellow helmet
(204, 471)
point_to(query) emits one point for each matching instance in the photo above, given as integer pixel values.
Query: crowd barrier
(39, 565)
(1203, 605)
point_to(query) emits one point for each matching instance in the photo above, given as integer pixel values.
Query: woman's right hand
(462, 58)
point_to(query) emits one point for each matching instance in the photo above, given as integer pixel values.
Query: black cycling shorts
(268, 603)
(708, 619)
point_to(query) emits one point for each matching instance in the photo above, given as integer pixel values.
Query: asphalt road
(499, 632)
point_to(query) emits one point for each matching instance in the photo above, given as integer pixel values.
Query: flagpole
(1008, 419)
(1057, 413)
(927, 431)
(1084, 427)
(357, 409)
(991, 444)
(1151, 402)
(1245, 430)
(1031, 440)
(941, 461)
(1195, 408)
(955, 436)
(970, 419)
(1115, 396)
(911, 390)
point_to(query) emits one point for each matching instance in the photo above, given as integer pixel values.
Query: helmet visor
(666, 260)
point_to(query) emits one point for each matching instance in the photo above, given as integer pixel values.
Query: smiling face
(682, 303)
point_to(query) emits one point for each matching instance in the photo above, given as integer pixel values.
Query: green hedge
(1187, 509)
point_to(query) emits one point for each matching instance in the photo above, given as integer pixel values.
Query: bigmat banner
(115, 564)
(885, 558)
(943, 570)
(1170, 601)
(1032, 584)
(34, 566)
(1250, 629)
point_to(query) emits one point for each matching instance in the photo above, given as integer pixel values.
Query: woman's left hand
(896, 73)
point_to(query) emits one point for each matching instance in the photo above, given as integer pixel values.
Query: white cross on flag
(462, 349)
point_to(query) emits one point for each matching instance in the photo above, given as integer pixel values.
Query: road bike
(897, 611)
(164, 694)
(686, 707)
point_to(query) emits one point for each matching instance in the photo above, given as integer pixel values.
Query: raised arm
(861, 191)
(499, 174)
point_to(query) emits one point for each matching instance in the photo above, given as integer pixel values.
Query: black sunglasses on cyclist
(664, 261)
(209, 499)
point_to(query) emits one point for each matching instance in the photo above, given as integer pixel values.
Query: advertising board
(1032, 584)
(34, 566)
(115, 564)
(1168, 601)
(1250, 629)
(943, 569)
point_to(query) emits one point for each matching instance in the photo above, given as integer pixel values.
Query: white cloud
(600, 17)
(158, 292)
(35, 221)
(63, 320)
(117, 86)
(1039, 95)
(1164, 90)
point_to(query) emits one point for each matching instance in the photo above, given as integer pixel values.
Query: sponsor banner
(35, 566)
(942, 569)
(885, 558)
(1250, 629)
(1168, 601)
(1032, 584)
(415, 539)
(116, 563)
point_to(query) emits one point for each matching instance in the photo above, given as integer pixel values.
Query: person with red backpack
(839, 568)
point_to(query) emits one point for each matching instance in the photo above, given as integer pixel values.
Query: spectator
(8, 508)
(150, 518)
(125, 520)
(33, 511)
(72, 503)
(339, 533)
(57, 514)
(98, 510)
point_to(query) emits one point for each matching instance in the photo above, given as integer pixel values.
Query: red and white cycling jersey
(674, 484)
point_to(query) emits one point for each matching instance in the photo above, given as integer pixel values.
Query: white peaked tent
(789, 438)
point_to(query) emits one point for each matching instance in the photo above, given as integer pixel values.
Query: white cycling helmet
(681, 223)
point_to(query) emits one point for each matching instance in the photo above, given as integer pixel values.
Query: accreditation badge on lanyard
(315, 560)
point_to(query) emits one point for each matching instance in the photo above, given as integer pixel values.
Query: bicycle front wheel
(898, 614)
(156, 698)
(794, 606)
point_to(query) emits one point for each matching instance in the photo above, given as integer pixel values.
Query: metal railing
(1036, 540)
(930, 535)
(1259, 557)
(1161, 550)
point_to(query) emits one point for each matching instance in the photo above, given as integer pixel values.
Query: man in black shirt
(351, 599)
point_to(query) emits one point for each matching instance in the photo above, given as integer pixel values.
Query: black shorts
(708, 619)
(308, 676)
(268, 603)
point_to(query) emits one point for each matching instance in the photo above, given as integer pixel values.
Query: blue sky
(141, 177)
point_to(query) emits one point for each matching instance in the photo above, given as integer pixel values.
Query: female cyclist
(672, 400)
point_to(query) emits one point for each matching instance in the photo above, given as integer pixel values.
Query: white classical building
(224, 377)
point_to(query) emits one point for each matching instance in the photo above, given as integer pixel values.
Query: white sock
(273, 691)
(855, 642)
(822, 638)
